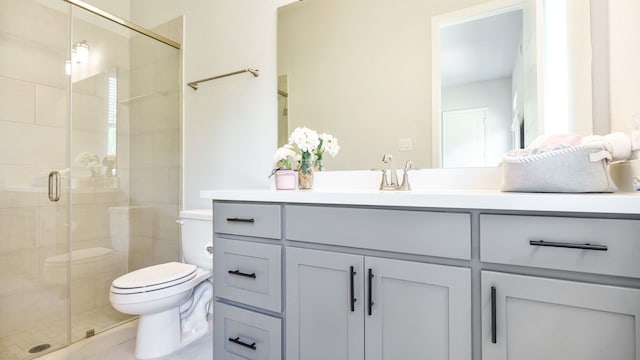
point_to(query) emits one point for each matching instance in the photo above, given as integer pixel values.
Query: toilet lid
(168, 274)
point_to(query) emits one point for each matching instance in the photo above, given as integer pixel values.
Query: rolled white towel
(618, 144)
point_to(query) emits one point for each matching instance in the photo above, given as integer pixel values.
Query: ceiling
(481, 49)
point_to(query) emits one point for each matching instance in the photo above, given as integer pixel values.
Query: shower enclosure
(89, 167)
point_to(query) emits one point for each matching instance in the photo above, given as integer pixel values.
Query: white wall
(230, 124)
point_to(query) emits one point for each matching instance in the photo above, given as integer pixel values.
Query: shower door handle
(54, 186)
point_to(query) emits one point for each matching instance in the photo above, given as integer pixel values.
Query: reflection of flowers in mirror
(329, 144)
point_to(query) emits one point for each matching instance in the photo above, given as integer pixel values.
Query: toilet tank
(197, 236)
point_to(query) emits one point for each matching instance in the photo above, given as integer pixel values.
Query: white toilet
(172, 299)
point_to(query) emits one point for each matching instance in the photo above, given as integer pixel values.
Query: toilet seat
(154, 278)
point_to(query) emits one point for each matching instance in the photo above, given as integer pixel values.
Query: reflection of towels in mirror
(618, 144)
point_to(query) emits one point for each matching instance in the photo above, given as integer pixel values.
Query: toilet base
(158, 334)
(162, 333)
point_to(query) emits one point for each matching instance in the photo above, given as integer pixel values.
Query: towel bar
(194, 84)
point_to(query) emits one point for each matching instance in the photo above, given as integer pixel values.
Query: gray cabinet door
(536, 318)
(320, 322)
(420, 311)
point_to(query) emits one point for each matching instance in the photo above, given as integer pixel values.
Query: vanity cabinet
(346, 306)
(533, 318)
(247, 274)
(306, 280)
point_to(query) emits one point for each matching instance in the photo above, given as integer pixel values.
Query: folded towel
(557, 139)
(618, 144)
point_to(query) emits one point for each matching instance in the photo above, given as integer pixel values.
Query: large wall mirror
(428, 81)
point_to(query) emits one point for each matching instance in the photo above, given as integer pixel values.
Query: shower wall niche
(109, 125)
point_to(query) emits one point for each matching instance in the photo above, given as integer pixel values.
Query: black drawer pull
(351, 289)
(370, 305)
(237, 272)
(242, 343)
(586, 246)
(241, 220)
(493, 316)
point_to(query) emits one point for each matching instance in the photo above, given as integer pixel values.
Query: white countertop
(476, 188)
(615, 203)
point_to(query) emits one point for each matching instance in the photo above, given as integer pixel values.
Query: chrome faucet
(393, 185)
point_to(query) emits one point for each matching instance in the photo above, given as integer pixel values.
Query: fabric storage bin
(575, 169)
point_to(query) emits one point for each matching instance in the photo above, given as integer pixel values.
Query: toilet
(172, 300)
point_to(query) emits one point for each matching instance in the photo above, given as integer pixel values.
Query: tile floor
(17, 345)
(119, 344)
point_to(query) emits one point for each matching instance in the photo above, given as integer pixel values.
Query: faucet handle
(408, 166)
(405, 176)
(384, 182)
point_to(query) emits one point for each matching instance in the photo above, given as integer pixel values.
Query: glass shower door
(89, 168)
(125, 160)
(34, 138)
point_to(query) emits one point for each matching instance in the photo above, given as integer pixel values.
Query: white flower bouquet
(306, 148)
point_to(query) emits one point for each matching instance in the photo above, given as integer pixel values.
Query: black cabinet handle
(242, 343)
(241, 220)
(370, 305)
(493, 316)
(586, 246)
(237, 272)
(351, 289)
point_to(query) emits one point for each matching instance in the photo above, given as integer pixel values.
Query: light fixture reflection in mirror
(79, 55)
(80, 52)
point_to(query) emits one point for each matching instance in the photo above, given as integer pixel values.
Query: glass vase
(319, 166)
(305, 173)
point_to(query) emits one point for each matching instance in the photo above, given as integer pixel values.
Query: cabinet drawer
(247, 219)
(415, 232)
(244, 334)
(575, 244)
(248, 273)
